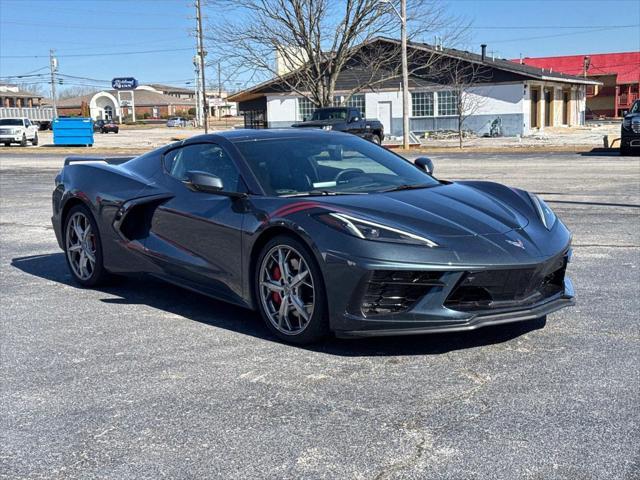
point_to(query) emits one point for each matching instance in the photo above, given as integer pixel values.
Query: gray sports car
(320, 231)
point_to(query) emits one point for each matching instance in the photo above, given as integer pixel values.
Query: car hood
(445, 210)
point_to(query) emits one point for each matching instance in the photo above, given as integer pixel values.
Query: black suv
(630, 132)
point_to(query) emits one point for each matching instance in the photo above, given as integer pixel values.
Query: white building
(521, 98)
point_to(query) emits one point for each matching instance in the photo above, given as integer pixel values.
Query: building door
(547, 108)
(384, 115)
(108, 112)
(534, 107)
(565, 108)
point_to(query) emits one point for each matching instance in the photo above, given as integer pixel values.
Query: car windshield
(328, 165)
(330, 114)
(11, 121)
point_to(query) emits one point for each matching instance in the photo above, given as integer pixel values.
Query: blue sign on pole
(126, 83)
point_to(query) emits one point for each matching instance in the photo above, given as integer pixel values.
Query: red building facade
(619, 73)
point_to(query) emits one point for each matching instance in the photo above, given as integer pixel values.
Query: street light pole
(405, 75)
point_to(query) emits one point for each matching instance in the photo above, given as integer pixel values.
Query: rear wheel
(7, 144)
(377, 140)
(290, 292)
(23, 142)
(34, 141)
(83, 247)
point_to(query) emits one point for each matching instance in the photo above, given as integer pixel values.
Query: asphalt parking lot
(144, 380)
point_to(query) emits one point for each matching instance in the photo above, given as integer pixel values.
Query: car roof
(244, 134)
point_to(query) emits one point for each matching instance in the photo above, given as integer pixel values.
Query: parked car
(105, 126)
(18, 130)
(177, 122)
(630, 131)
(345, 119)
(318, 231)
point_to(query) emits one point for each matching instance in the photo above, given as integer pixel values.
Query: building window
(355, 101)
(305, 108)
(447, 103)
(422, 104)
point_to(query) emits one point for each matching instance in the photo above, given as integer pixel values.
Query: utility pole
(405, 75)
(53, 65)
(196, 88)
(219, 93)
(201, 55)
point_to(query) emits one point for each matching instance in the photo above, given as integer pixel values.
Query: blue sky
(90, 35)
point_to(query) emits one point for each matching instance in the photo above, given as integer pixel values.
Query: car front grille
(495, 289)
(635, 126)
(396, 291)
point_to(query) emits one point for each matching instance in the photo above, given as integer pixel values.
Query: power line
(557, 35)
(549, 27)
(101, 54)
(84, 27)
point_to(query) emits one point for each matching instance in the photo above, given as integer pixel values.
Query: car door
(197, 236)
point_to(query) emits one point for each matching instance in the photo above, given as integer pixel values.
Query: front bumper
(368, 329)
(629, 138)
(437, 308)
(11, 138)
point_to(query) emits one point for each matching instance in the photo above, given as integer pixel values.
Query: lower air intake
(396, 291)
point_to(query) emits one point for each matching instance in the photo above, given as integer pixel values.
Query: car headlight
(368, 230)
(327, 127)
(546, 215)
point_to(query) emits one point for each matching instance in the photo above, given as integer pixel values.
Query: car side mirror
(425, 164)
(203, 182)
(208, 183)
(353, 119)
(625, 112)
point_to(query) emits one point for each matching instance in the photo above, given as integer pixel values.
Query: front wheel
(34, 141)
(290, 292)
(23, 142)
(377, 140)
(83, 248)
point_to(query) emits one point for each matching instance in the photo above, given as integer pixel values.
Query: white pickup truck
(18, 130)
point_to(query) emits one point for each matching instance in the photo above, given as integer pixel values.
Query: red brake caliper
(276, 275)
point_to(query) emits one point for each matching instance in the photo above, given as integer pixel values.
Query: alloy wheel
(286, 290)
(81, 246)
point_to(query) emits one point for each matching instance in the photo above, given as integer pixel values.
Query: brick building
(107, 104)
(12, 97)
(618, 72)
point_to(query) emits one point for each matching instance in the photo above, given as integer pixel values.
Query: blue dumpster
(73, 131)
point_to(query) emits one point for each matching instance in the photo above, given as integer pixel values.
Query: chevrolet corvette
(321, 232)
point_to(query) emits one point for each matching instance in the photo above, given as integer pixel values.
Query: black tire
(625, 151)
(376, 139)
(317, 327)
(23, 142)
(34, 142)
(7, 144)
(99, 274)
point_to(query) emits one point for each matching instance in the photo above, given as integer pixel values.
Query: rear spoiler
(109, 160)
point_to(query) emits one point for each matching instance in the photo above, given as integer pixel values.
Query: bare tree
(35, 88)
(464, 79)
(71, 92)
(310, 46)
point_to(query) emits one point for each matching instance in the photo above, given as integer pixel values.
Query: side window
(204, 157)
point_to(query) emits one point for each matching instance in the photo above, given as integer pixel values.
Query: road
(144, 380)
